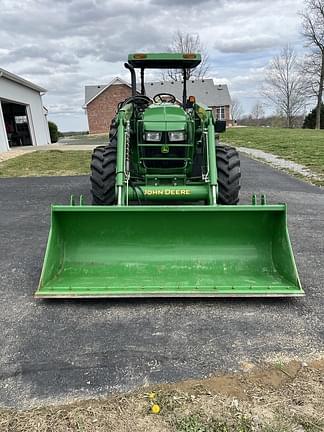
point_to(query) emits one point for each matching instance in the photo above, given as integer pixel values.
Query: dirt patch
(282, 397)
(237, 384)
(4, 156)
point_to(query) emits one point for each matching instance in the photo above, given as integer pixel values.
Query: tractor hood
(165, 117)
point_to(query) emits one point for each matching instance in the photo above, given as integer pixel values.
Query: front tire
(103, 174)
(229, 175)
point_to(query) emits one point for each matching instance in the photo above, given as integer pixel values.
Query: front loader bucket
(187, 251)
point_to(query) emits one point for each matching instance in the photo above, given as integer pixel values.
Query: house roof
(205, 90)
(92, 91)
(17, 79)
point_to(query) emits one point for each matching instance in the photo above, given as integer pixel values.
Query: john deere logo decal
(165, 149)
(166, 192)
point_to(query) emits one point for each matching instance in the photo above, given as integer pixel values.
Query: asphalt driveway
(60, 350)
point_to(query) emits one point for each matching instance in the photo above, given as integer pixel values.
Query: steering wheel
(158, 98)
(141, 101)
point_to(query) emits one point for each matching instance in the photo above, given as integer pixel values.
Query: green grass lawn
(97, 139)
(47, 163)
(303, 146)
(298, 145)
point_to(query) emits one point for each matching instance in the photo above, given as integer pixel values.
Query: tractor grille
(164, 154)
(154, 158)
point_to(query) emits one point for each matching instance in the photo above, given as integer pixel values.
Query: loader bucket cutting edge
(191, 251)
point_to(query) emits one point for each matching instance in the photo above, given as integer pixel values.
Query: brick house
(101, 103)
(101, 100)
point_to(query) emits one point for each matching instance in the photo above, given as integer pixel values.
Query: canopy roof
(164, 60)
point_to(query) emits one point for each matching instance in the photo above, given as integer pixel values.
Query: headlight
(177, 136)
(153, 136)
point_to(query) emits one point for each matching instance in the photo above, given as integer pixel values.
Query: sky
(64, 45)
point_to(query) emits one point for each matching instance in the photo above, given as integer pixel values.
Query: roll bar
(133, 82)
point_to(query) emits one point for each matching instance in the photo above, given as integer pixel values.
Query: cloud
(52, 53)
(248, 43)
(185, 3)
(65, 44)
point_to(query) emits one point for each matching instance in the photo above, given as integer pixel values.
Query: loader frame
(156, 250)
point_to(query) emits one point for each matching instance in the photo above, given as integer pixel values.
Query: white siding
(18, 93)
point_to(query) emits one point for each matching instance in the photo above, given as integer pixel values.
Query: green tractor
(168, 145)
(164, 220)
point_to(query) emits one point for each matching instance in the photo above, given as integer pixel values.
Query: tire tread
(103, 174)
(229, 175)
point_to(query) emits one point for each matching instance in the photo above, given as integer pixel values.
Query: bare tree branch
(313, 32)
(257, 112)
(236, 109)
(188, 43)
(284, 85)
(311, 70)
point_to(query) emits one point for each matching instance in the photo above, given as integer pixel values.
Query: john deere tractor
(168, 145)
(164, 219)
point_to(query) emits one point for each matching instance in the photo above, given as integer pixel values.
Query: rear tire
(229, 175)
(103, 174)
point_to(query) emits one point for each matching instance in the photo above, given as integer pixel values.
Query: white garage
(23, 120)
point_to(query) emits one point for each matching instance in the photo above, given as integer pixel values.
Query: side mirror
(220, 126)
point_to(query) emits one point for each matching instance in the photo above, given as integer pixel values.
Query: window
(20, 119)
(220, 113)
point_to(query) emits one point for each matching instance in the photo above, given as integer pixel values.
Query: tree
(53, 130)
(310, 119)
(236, 109)
(257, 112)
(313, 32)
(312, 73)
(284, 85)
(188, 43)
